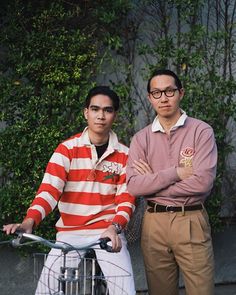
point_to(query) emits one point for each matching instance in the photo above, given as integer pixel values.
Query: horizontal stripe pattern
(84, 210)
(90, 193)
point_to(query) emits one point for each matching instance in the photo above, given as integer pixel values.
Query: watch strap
(118, 227)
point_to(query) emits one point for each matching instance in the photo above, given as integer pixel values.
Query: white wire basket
(79, 277)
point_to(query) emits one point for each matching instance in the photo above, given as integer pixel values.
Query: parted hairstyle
(160, 72)
(104, 90)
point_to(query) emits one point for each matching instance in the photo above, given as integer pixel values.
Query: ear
(86, 113)
(115, 116)
(149, 97)
(181, 92)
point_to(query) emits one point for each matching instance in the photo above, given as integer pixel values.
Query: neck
(98, 139)
(168, 123)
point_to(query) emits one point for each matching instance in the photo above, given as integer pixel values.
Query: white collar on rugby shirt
(113, 140)
(156, 125)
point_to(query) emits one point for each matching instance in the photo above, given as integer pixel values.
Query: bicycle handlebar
(21, 236)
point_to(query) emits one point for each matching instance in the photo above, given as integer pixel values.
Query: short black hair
(105, 90)
(164, 72)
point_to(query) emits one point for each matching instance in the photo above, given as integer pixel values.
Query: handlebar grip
(18, 232)
(104, 245)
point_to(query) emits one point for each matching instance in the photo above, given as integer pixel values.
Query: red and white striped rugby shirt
(90, 192)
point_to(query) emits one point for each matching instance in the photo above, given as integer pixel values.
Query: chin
(101, 131)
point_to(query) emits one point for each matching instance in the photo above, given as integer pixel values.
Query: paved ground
(219, 290)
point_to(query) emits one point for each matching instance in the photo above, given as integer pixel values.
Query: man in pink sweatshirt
(172, 162)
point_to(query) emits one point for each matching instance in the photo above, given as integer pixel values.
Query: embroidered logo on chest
(113, 171)
(187, 157)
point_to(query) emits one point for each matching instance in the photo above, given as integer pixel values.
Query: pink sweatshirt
(191, 143)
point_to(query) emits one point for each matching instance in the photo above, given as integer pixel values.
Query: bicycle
(84, 278)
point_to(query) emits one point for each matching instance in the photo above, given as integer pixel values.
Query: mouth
(100, 124)
(164, 107)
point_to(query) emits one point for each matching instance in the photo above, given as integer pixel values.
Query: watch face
(117, 227)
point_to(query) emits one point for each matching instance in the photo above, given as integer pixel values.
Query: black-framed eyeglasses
(157, 94)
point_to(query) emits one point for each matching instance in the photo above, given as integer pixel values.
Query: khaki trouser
(175, 240)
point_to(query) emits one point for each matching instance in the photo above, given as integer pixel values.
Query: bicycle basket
(78, 277)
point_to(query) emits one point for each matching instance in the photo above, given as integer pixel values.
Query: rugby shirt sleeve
(125, 202)
(52, 185)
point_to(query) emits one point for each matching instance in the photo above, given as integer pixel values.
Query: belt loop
(183, 212)
(203, 207)
(155, 208)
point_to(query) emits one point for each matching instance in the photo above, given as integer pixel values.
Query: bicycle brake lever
(104, 246)
(19, 239)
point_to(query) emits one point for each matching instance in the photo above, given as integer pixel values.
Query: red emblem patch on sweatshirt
(186, 157)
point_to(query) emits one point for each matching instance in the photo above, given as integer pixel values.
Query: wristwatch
(118, 227)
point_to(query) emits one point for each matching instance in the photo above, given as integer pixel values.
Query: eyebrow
(168, 87)
(104, 108)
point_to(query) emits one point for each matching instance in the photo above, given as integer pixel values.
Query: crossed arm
(141, 167)
(174, 180)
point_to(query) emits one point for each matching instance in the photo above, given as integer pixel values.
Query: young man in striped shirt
(86, 178)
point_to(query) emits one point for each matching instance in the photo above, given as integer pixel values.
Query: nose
(101, 114)
(163, 97)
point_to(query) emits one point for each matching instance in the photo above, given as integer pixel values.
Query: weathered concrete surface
(219, 290)
(16, 272)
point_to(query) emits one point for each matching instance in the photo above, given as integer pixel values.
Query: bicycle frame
(70, 280)
(86, 278)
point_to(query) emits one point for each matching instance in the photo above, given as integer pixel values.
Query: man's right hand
(141, 167)
(26, 226)
(184, 172)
